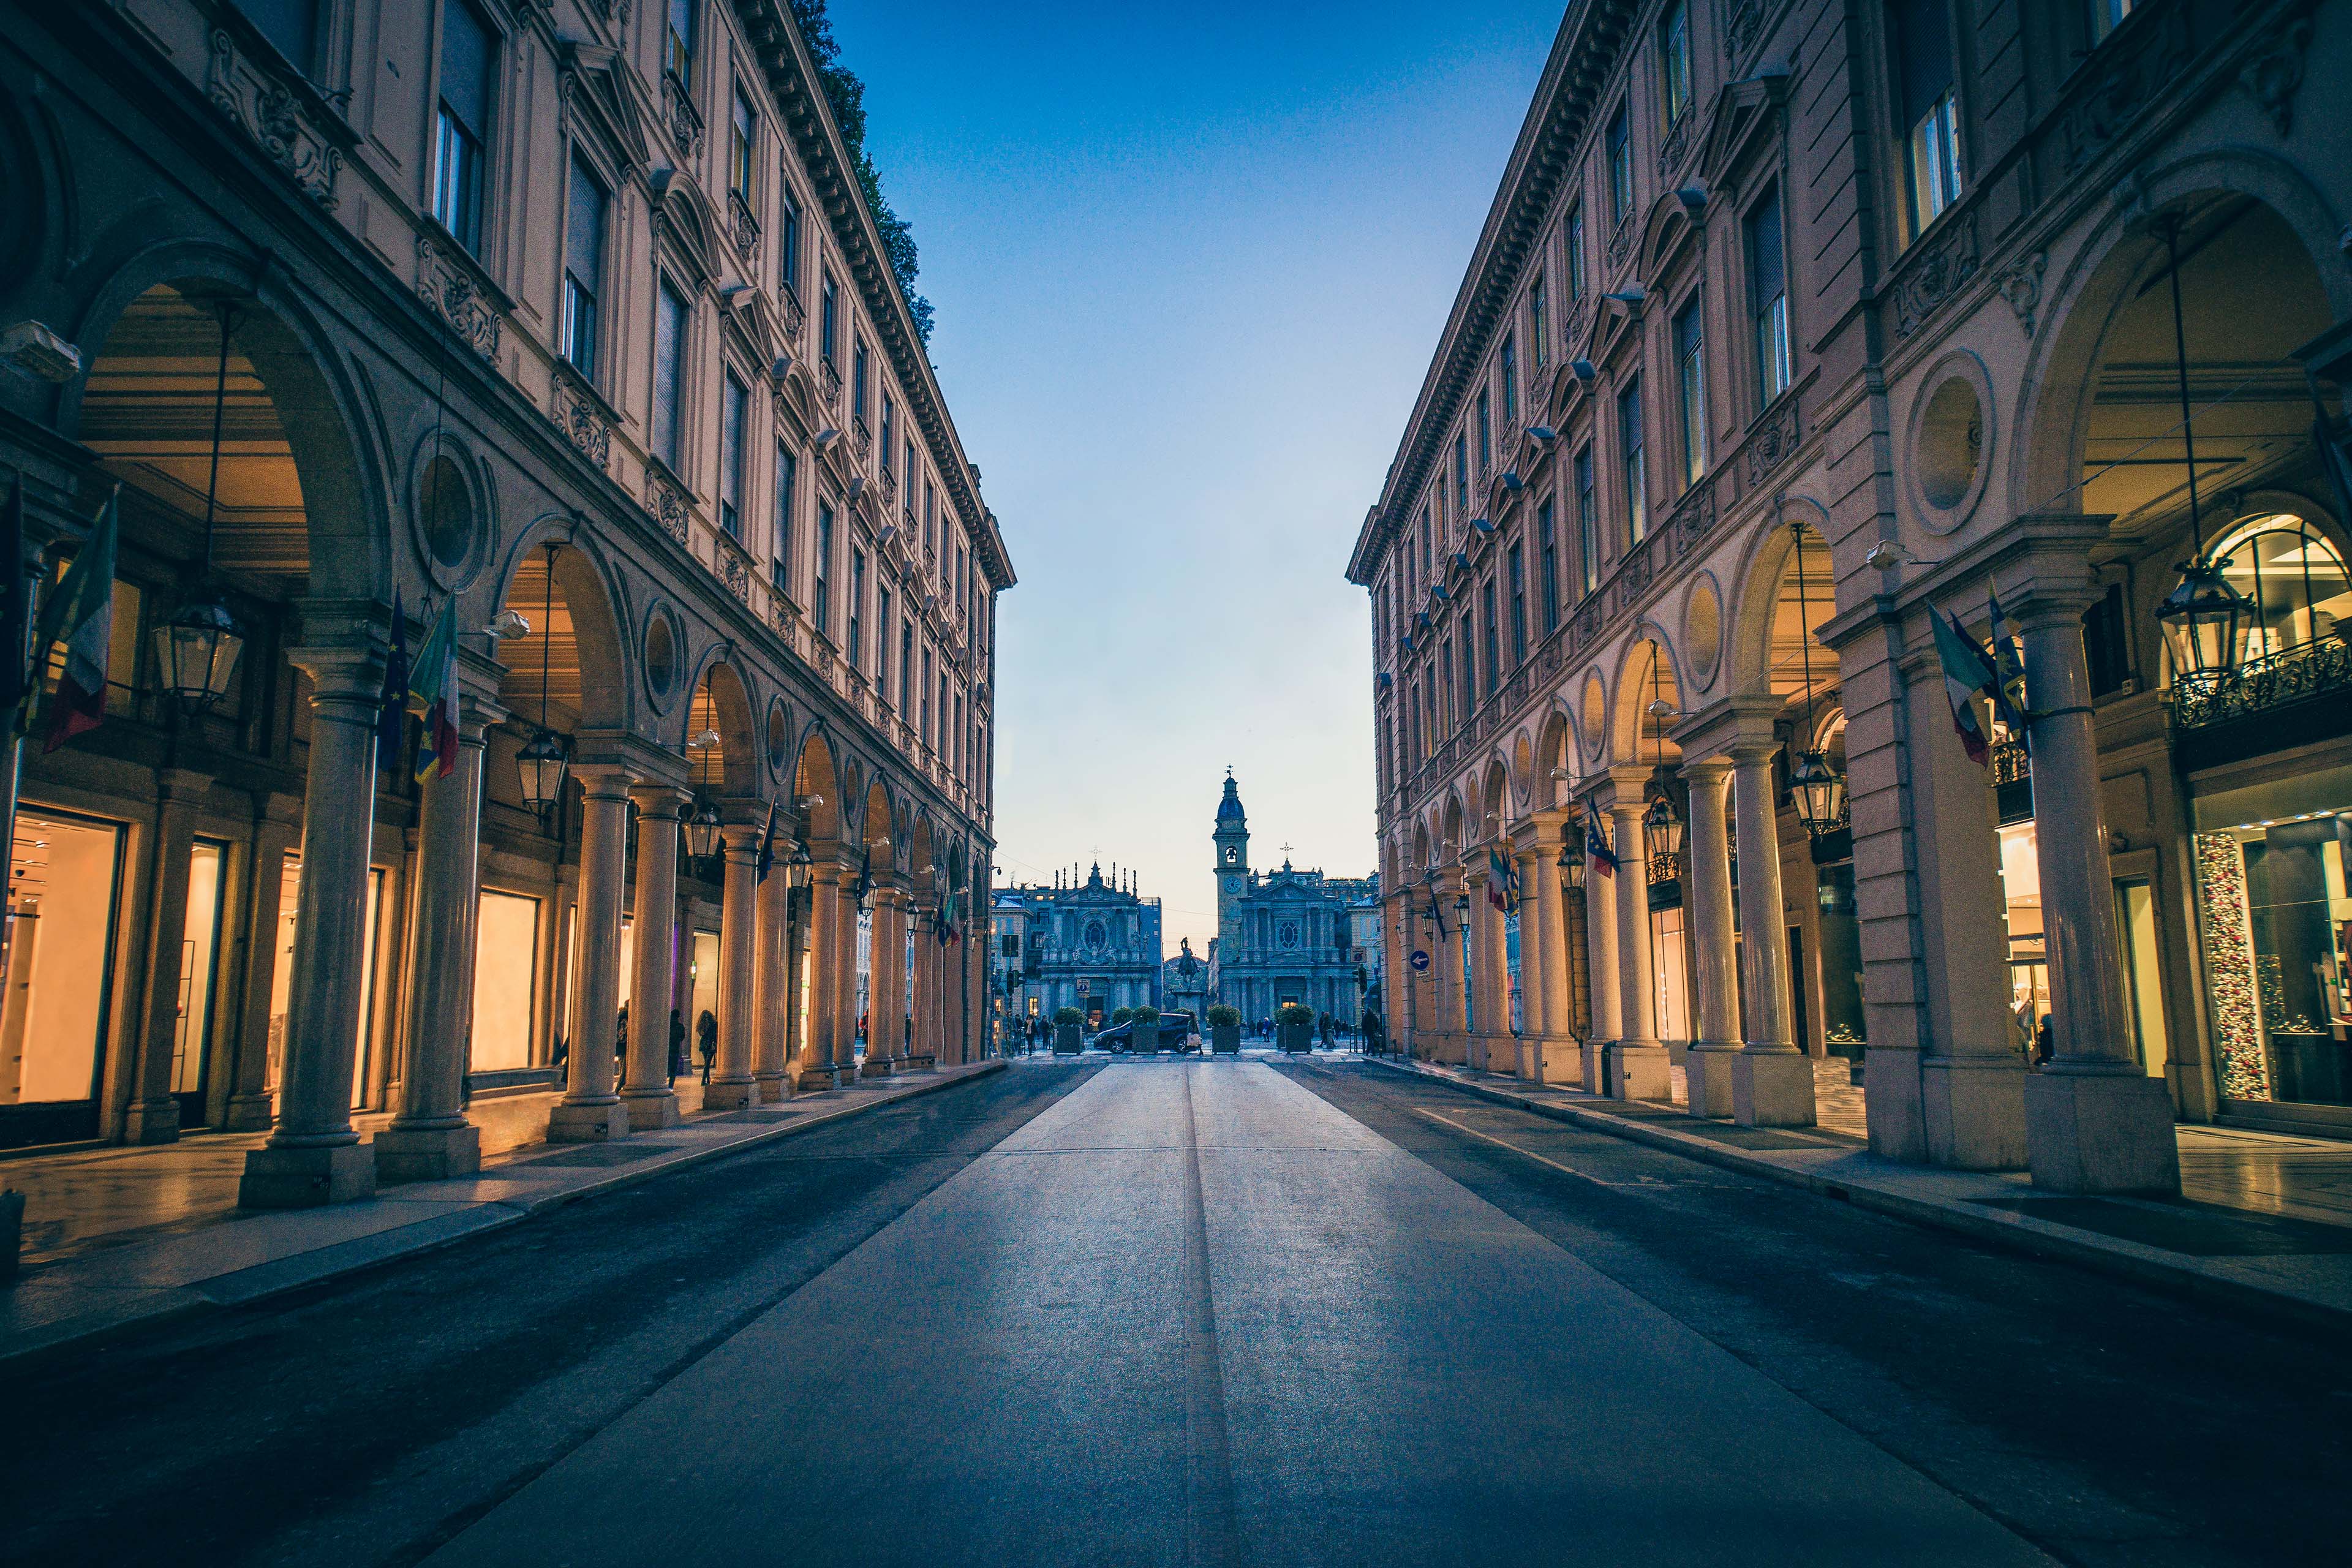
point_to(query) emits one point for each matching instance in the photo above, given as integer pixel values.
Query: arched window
(2294, 577)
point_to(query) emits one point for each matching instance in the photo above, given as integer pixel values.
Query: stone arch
(1555, 754)
(1766, 620)
(588, 664)
(877, 821)
(1449, 837)
(158, 309)
(816, 790)
(1646, 674)
(2107, 274)
(719, 701)
(1494, 799)
(1526, 794)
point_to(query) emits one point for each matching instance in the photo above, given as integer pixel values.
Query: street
(1197, 1312)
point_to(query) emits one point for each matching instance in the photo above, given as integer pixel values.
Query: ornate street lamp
(2202, 616)
(1820, 790)
(544, 759)
(702, 824)
(196, 649)
(702, 831)
(1572, 865)
(1662, 833)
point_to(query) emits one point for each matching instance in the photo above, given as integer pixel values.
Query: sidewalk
(2264, 1222)
(205, 1253)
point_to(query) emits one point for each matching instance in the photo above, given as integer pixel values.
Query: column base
(305, 1178)
(651, 1108)
(1772, 1088)
(774, 1086)
(814, 1080)
(152, 1121)
(250, 1113)
(2101, 1132)
(1706, 1077)
(587, 1123)
(426, 1153)
(1972, 1109)
(1637, 1070)
(1893, 1111)
(1528, 1055)
(1590, 1056)
(875, 1066)
(1554, 1061)
(730, 1094)
(1448, 1049)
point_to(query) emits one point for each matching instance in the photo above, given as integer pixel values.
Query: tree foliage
(846, 95)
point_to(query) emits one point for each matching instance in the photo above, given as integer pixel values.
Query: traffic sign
(1421, 959)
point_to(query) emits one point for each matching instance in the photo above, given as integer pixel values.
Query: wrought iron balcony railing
(2320, 667)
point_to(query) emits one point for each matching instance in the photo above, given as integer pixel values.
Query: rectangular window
(1510, 361)
(742, 136)
(1445, 687)
(1548, 533)
(1923, 75)
(1489, 651)
(1461, 470)
(882, 642)
(1619, 146)
(1768, 296)
(733, 400)
(462, 129)
(1572, 239)
(1588, 521)
(890, 428)
(1675, 58)
(2106, 15)
(669, 371)
(584, 266)
(908, 479)
(1628, 446)
(292, 25)
(1469, 699)
(931, 513)
(857, 383)
(678, 40)
(857, 642)
(905, 662)
(1690, 376)
(1485, 432)
(1518, 609)
(1538, 331)
(828, 335)
(787, 475)
(820, 610)
(788, 245)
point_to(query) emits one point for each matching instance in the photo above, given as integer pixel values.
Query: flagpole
(18, 629)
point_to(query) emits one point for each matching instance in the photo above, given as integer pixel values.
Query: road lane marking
(1540, 1160)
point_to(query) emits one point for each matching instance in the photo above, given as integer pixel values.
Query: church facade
(1092, 945)
(1283, 936)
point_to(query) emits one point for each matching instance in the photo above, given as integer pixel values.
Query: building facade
(1795, 331)
(1093, 945)
(567, 319)
(1286, 935)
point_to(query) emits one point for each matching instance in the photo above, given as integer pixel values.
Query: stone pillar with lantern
(1600, 890)
(1636, 1064)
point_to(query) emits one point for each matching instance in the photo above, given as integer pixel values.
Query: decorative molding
(267, 111)
(580, 414)
(667, 503)
(1693, 517)
(1775, 436)
(2020, 285)
(1675, 146)
(733, 565)
(1933, 273)
(452, 289)
(685, 119)
(795, 315)
(743, 224)
(1620, 242)
(2272, 75)
(1741, 25)
(2129, 74)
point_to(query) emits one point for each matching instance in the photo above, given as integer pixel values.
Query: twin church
(1288, 935)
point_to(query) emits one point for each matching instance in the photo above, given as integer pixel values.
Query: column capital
(660, 802)
(1708, 770)
(1715, 729)
(602, 780)
(1626, 786)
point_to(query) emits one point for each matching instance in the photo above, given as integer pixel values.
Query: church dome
(1230, 808)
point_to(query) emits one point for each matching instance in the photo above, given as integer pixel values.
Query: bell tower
(1231, 840)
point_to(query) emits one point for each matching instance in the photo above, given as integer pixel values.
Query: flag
(81, 614)
(864, 877)
(1967, 677)
(2009, 677)
(433, 688)
(1502, 880)
(950, 915)
(767, 844)
(15, 596)
(1596, 849)
(392, 703)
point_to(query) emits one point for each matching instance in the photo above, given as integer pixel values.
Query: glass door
(58, 969)
(192, 1033)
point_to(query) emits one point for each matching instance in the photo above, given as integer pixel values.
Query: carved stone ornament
(267, 112)
(667, 504)
(795, 315)
(734, 568)
(1774, 440)
(1934, 275)
(2134, 68)
(577, 414)
(685, 119)
(1621, 243)
(745, 227)
(1694, 518)
(449, 286)
(2022, 286)
(1740, 27)
(2272, 74)
(1676, 143)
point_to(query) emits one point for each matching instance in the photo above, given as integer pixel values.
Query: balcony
(2286, 699)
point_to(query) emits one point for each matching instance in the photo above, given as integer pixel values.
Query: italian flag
(81, 615)
(1968, 675)
(433, 689)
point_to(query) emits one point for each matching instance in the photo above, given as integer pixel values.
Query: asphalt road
(1204, 1312)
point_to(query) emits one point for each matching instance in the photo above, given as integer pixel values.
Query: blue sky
(1190, 263)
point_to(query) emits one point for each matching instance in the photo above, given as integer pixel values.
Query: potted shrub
(1068, 1023)
(1225, 1029)
(1145, 1037)
(1120, 1015)
(1294, 1027)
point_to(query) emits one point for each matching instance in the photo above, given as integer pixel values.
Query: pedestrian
(706, 1042)
(2041, 1043)
(678, 1065)
(1371, 1028)
(621, 1044)
(1323, 1025)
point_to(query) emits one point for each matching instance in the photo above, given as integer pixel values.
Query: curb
(2148, 1266)
(360, 1255)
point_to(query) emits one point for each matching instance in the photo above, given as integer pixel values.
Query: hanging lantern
(702, 835)
(2200, 618)
(1820, 790)
(195, 652)
(796, 867)
(1571, 866)
(542, 762)
(1662, 831)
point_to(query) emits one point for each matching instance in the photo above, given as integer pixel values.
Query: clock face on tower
(1232, 884)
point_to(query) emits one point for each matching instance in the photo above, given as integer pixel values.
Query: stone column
(732, 1086)
(841, 993)
(314, 1156)
(1554, 1056)
(2093, 1121)
(772, 1058)
(882, 1046)
(647, 1094)
(591, 1111)
(1601, 964)
(1708, 1068)
(1637, 1067)
(1478, 1006)
(818, 1054)
(1447, 1043)
(429, 1138)
(277, 829)
(153, 1114)
(1771, 1079)
(1536, 960)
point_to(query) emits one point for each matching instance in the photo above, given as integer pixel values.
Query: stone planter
(1068, 1040)
(1225, 1038)
(1295, 1036)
